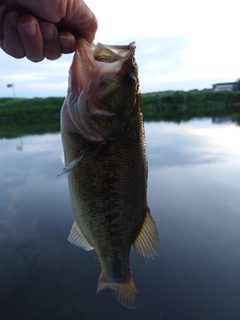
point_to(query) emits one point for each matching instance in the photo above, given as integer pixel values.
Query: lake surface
(194, 196)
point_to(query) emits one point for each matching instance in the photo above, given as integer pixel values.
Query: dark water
(194, 195)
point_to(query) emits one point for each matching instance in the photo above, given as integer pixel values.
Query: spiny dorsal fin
(76, 237)
(146, 243)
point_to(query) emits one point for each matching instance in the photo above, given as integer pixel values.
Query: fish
(104, 148)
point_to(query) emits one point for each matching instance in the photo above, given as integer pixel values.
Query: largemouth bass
(105, 156)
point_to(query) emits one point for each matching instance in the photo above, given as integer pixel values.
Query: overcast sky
(181, 45)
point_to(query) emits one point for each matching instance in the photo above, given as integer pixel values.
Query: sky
(181, 45)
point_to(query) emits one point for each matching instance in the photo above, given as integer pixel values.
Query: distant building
(225, 86)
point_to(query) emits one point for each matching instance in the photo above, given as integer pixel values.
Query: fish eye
(129, 78)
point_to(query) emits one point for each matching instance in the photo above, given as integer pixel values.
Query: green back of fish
(108, 191)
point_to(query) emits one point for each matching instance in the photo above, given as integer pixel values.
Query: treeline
(19, 117)
(167, 106)
(182, 106)
(20, 108)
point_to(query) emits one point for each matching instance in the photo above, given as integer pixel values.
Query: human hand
(44, 29)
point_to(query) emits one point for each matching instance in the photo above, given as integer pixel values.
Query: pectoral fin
(75, 161)
(63, 158)
(76, 237)
(146, 243)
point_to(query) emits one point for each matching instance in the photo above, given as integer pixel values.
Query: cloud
(181, 45)
(43, 79)
(158, 57)
(155, 57)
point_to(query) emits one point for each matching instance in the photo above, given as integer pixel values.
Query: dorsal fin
(76, 237)
(146, 243)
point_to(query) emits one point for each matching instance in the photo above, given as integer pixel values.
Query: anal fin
(146, 243)
(76, 237)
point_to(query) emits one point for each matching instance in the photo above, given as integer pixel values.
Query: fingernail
(13, 16)
(48, 30)
(29, 28)
(65, 41)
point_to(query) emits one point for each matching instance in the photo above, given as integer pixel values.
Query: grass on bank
(182, 106)
(19, 117)
(22, 107)
(172, 105)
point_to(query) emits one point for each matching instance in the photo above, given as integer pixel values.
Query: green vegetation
(20, 108)
(35, 116)
(19, 117)
(182, 106)
(28, 127)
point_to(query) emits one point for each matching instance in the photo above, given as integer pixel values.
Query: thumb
(81, 19)
(74, 13)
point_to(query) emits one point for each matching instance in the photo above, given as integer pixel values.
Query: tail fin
(125, 290)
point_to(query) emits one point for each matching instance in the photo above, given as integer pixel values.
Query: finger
(12, 44)
(51, 45)
(67, 42)
(75, 13)
(82, 19)
(31, 37)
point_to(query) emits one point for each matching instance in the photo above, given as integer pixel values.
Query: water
(194, 174)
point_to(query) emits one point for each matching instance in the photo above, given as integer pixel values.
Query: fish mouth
(82, 66)
(89, 59)
(110, 53)
(95, 92)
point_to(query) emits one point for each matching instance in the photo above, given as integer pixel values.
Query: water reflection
(194, 174)
(192, 142)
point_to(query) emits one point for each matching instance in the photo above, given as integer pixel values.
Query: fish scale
(110, 197)
(105, 154)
